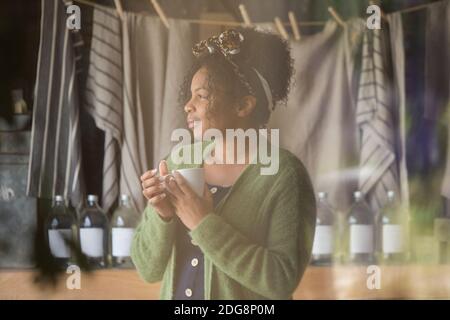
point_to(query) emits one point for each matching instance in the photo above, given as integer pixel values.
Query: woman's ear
(246, 106)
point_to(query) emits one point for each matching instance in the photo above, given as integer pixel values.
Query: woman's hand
(154, 190)
(189, 207)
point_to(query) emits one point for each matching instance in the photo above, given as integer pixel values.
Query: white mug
(195, 178)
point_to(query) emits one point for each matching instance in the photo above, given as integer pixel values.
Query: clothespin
(160, 12)
(119, 8)
(245, 15)
(281, 28)
(336, 16)
(294, 25)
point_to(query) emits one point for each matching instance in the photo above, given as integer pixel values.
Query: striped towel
(55, 155)
(374, 117)
(103, 96)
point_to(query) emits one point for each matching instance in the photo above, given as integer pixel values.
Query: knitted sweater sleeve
(152, 245)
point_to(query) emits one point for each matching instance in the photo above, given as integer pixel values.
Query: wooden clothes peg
(294, 25)
(281, 28)
(245, 15)
(336, 16)
(160, 13)
(119, 8)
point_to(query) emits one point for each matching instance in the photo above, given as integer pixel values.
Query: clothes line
(412, 9)
(237, 23)
(204, 21)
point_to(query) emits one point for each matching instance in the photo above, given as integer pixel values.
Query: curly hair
(262, 50)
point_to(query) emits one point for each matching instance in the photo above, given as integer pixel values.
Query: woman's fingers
(148, 174)
(152, 191)
(150, 182)
(154, 200)
(151, 178)
(172, 187)
(163, 170)
(182, 183)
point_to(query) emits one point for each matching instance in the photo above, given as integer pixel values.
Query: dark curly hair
(262, 50)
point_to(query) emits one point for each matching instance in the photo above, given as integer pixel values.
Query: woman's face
(198, 107)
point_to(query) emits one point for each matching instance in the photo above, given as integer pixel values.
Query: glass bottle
(60, 231)
(362, 237)
(94, 233)
(393, 235)
(123, 223)
(323, 247)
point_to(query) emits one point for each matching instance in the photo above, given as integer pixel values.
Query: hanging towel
(154, 65)
(55, 155)
(398, 63)
(317, 125)
(103, 95)
(375, 120)
(437, 73)
(437, 59)
(133, 153)
(179, 60)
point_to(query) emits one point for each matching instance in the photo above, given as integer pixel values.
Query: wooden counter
(341, 282)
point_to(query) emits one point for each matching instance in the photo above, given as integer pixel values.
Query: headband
(228, 43)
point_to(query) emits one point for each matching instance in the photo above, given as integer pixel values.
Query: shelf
(341, 282)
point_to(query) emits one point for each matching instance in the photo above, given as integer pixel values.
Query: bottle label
(57, 241)
(92, 242)
(323, 240)
(361, 238)
(121, 241)
(392, 238)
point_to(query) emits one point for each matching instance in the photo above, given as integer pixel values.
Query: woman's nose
(188, 107)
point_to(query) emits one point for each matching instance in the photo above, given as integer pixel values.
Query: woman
(250, 235)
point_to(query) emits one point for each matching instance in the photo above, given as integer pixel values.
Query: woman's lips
(191, 123)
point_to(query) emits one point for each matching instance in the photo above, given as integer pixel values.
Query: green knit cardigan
(256, 243)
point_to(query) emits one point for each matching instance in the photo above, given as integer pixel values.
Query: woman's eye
(202, 97)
